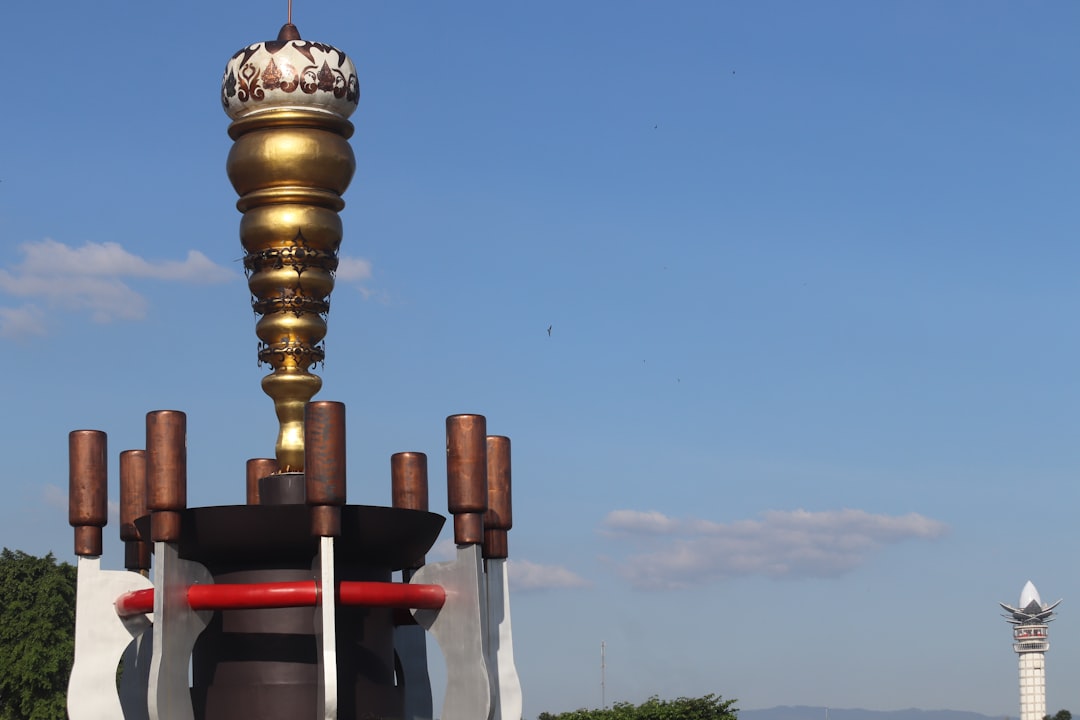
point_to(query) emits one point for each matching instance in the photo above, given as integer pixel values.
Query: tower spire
(289, 101)
(1030, 643)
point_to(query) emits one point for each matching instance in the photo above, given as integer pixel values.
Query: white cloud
(51, 258)
(651, 523)
(678, 553)
(89, 279)
(352, 269)
(356, 271)
(21, 322)
(104, 298)
(525, 575)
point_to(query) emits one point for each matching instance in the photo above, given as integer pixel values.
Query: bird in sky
(549, 331)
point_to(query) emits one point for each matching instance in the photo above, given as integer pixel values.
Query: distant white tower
(1030, 642)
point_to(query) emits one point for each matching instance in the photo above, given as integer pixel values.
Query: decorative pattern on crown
(287, 73)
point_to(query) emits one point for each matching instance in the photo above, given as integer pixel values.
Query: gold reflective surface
(290, 168)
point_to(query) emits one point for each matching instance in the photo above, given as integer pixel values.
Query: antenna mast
(603, 678)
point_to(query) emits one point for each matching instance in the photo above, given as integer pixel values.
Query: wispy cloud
(22, 322)
(525, 576)
(646, 523)
(356, 272)
(88, 279)
(352, 269)
(678, 553)
(49, 257)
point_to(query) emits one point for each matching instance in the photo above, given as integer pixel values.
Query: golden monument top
(289, 72)
(290, 100)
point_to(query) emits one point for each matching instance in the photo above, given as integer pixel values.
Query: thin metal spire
(603, 676)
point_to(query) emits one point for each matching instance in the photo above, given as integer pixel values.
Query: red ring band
(291, 594)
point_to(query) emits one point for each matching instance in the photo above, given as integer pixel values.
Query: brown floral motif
(326, 78)
(228, 88)
(249, 84)
(310, 82)
(271, 76)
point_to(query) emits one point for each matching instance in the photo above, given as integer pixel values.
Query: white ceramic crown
(289, 72)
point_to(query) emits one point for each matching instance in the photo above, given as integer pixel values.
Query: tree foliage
(1059, 715)
(37, 635)
(710, 707)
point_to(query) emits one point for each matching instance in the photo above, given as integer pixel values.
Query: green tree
(37, 635)
(710, 707)
(1059, 715)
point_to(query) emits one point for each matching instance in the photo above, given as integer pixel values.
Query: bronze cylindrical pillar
(257, 469)
(88, 503)
(324, 464)
(466, 476)
(166, 472)
(409, 486)
(498, 518)
(132, 507)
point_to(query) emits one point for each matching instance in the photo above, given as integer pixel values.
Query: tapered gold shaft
(290, 163)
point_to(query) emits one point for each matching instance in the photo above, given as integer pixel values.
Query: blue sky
(808, 408)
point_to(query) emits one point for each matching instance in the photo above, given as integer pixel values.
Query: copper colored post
(88, 504)
(466, 476)
(166, 472)
(257, 469)
(133, 507)
(498, 519)
(409, 480)
(324, 464)
(326, 520)
(409, 485)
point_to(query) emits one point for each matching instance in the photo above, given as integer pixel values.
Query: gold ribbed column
(290, 163)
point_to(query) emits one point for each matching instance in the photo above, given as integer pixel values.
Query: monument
(286, 607)
(1030, 642)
